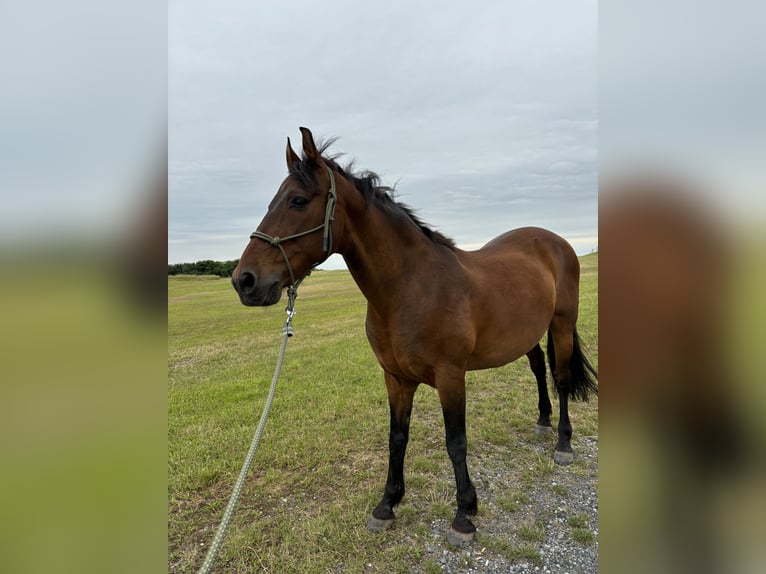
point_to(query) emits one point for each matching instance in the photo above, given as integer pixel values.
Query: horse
(434, 311)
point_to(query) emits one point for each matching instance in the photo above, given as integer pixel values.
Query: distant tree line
(206, 267)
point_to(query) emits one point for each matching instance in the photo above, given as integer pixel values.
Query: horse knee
(397, 440)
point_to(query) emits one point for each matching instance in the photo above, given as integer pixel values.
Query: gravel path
(565, 494)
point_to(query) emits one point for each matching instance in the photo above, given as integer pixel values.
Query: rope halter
(326, 227)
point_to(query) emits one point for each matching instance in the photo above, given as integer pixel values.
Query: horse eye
(299, 202)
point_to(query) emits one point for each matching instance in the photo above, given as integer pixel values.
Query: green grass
(510, 501)
(510, 551)
(532, 532)
(558, 489)
(321, 464)
(580, 531)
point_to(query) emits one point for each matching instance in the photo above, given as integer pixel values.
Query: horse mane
(374, 193)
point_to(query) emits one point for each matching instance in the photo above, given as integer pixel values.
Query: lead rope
(287, 332)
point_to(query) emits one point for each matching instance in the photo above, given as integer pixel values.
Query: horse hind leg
(537, 364)
(560, 346)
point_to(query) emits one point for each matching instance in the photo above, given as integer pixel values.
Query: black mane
(374, 193)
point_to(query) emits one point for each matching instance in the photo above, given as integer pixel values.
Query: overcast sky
(483, 115)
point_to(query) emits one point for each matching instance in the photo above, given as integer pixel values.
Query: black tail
(583, 374)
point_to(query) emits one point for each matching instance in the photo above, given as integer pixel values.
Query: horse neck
(384, 253)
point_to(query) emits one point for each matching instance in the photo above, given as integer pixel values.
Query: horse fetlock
(384, 511)
(470, 505)
(393, 495)
(565, 437)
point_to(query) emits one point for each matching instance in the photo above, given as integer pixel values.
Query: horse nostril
(246, 281)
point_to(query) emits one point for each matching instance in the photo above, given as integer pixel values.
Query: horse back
(532, 247)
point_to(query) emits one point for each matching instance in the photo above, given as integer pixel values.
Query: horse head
(297, 232)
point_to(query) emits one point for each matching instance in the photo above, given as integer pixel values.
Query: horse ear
(309, 147)
(292, 157)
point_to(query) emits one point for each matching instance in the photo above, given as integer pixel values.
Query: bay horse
(434, 311)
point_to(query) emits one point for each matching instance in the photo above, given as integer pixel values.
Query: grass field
(321, 465)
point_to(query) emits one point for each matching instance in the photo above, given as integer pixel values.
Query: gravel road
(554, 501)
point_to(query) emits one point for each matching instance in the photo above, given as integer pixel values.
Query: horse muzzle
(255, 291)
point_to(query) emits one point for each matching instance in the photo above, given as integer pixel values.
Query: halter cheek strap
(326, 226)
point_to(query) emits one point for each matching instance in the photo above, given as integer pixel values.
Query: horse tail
(582, 374)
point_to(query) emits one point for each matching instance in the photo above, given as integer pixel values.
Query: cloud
(485, 118)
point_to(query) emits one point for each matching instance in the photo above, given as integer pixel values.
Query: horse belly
(502, 351)
(504, 338)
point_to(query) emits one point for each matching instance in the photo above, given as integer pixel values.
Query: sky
(483, 116)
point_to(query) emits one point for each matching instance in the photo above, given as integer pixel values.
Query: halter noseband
(326, 226)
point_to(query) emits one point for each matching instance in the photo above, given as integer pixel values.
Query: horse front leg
(400, 396)
(452, 397)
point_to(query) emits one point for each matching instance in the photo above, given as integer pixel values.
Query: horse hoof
(460, 539)
(378, 525)
(540, 429)
(563, 458)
